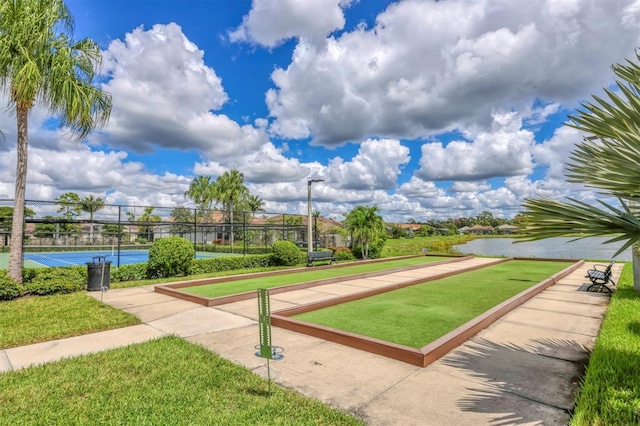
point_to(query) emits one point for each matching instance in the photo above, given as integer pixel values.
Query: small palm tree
(254, 203)
(606, 160)
(91, 205)
(365, 226)
(146, 218)
(230, 190)
(40, 62)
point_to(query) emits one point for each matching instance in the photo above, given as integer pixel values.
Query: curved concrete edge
(173, 289)
(426, 355)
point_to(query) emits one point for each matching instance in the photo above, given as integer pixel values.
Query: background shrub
(170, 257)
(9, 289)
(343, 254)
(219, 264)
(375, 248)
(56, 280)
(286, 253)
(133, 272)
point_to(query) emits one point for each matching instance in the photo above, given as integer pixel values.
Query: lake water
(556, 248)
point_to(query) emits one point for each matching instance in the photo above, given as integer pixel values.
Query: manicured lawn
(42, 318)
(610, 394)
(309, 274)
(417, 315)
(442, 244)
(163, 382)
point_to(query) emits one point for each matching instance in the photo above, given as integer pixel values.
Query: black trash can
(98, 274)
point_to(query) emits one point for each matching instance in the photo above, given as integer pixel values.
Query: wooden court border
(173, 289)
(433, 351)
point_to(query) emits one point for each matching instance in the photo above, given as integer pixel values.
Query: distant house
(463, 230)
(507, 229)
(412, 226)
(480, 229)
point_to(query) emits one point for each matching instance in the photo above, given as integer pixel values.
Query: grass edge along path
(160, 382)
(610, 392)
(251, 284)
(36, 319)
(418, 315)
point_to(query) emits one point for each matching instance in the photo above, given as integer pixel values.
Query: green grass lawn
(610, 393)
(167, 381)
(37, 319)
(417, 315)
(310, 274)
(439, 244)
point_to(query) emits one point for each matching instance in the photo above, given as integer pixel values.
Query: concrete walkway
(523, 369)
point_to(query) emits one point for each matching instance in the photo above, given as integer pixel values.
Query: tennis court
(71, 258)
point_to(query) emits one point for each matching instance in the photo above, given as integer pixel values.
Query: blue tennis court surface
(72, 258)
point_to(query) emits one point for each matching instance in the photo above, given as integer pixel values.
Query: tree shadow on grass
(522, 384)
(634, 327)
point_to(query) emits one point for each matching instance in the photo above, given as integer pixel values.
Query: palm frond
(547, 218)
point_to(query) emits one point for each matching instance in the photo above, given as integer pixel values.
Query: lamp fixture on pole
(309, 227)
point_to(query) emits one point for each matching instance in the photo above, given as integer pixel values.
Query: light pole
(309, 228)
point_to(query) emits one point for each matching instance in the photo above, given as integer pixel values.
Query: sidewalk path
(521, 370)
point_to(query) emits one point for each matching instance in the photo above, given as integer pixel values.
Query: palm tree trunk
(231, 218)
(91, 228)
(17, 224)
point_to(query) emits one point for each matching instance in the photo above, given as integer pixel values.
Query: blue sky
(426, 109)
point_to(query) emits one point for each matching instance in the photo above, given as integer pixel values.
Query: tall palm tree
(230, 190)
(365, 226)
(255, 203)
(40, 62)
(146, 218)
(90, 205)
(202, 193)
(607, 160)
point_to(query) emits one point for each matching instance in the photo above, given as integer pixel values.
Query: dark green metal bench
(600, 276)
(315, 256)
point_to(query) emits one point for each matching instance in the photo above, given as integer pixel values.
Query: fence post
(195, 232)
(244, 232)
(119, 233)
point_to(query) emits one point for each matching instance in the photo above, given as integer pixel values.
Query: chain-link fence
(68, 233)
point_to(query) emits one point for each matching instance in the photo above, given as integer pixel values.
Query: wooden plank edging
(427, 354)
(173, 288)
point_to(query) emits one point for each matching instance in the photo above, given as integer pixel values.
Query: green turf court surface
(4, 262)
(310, 274)
(416, 316)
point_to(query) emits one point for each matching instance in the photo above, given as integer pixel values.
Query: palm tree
(606, 160)
(202, 193)
(146, 218)
(365, 226)
(40, 62)
(90, 205)
(230, 190)
(255, 203)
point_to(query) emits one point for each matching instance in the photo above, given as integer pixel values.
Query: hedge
(219, 264)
